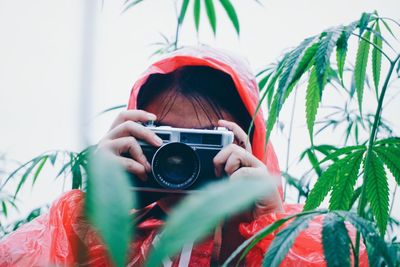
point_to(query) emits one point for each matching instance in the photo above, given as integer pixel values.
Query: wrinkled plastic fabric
(307, 249)
(59, 237)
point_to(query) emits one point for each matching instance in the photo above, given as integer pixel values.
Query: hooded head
(243, 82)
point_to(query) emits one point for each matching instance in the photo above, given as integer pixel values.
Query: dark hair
(200, 83)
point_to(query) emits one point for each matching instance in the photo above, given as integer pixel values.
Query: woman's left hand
(237, 161)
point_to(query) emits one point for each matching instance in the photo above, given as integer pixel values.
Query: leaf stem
(362, 203)
(374, 45)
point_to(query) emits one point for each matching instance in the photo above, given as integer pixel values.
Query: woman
(192, 88)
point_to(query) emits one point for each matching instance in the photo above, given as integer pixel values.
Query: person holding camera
(188, 122)
(194, 102)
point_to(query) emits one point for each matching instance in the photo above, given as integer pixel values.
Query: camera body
(185, 160)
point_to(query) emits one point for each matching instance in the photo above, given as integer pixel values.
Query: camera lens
(175, 166)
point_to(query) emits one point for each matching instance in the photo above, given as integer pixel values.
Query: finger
(238, 132)
(128, 145)
(233, 163)
(133, 115)
(133, 167)
(130, 128)
(246, 158)
(221, 158)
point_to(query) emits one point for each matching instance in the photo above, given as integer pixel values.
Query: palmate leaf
(210, 9)
(341, 47)
(284, 240)
(196, 13)
(377, 190)
(195, 217)
(230, 11)
(372, 238)
(391, 157)
(108, 203)
(361, 67)
(291, 65)
(290, 75)
(335, 241)
(376, 57)
(323, 55)
(312, 102)
(324, 184)
(343, 190)
(247, 245)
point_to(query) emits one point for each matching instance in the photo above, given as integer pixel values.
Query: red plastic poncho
(54, 238)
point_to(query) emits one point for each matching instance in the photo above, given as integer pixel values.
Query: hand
(237, 161)
(123, 137)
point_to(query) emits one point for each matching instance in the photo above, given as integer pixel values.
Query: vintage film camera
(185, 160)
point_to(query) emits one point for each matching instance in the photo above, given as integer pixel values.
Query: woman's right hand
(122, 139)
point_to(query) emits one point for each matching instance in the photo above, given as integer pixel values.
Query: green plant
(338, 169)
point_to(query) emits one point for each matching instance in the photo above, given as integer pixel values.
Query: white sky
(40, 71)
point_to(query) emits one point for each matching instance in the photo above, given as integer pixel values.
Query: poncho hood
(244, 81)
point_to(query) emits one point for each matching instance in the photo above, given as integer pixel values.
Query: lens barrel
(175, 166)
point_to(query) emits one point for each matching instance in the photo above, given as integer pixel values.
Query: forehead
(180, 111)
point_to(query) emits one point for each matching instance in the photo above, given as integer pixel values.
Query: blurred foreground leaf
(200, 212)
(107, 205)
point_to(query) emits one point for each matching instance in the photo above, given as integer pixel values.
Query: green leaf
(344, 151)
(389, 141)
(4, 208)
(367, 230)
(341, 47)
(76, 175)
(388, 28)
(39, 169)
(376, 57)
(182, 14)
(290, 70)
(130, 5)
(26, 174)
(336, 241)
(363, 22)
(53, 158)
(325, 149)
(361, 67)
(323, 55)
(272, 117)
(199, 213)
(324, 184)
(355, 196)
(108, 203)
(257, 237)
(314, 161)
(343, 190)
(264, 81)
(230, 10)
(211, 14)
(196, 11)
(391, 158)
(377, 190)
(284, 240)
(312, 102)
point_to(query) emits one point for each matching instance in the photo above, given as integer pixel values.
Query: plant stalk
(363, 200)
